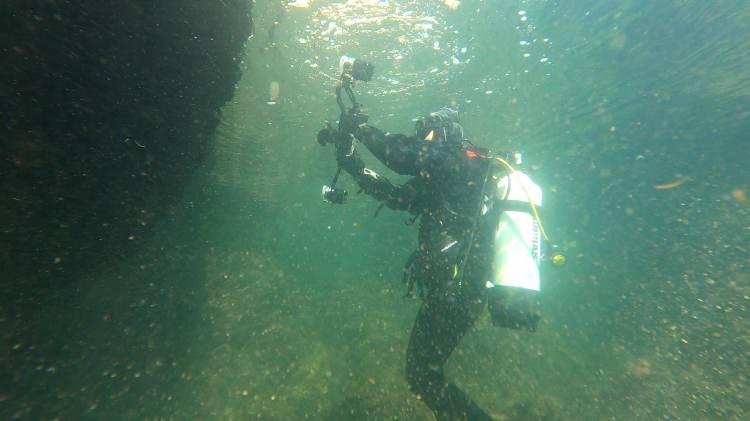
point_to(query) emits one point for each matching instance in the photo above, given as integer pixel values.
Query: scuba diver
(460, 195)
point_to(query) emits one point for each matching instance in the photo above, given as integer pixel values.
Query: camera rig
(350, 70)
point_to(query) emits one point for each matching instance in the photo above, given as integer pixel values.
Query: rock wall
(108, 108)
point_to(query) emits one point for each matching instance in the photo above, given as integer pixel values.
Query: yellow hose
(528, 196)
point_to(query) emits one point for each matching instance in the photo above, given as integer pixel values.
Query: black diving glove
(348, 159)
(350, 120)
(346, 156)
(327, 135)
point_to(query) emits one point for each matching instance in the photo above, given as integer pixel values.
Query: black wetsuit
(450, 266)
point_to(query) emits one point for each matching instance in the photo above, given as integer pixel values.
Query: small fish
(673, 184)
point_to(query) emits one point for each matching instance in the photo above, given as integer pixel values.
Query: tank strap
(515, 206)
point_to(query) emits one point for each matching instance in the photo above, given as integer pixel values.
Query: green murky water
(258, 300)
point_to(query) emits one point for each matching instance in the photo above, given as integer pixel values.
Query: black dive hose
(469, 245)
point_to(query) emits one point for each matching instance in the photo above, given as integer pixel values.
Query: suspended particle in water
(740, 196)
(300, 4)
(273, 92)
(639, 368)
(452, 4)
(676, 183)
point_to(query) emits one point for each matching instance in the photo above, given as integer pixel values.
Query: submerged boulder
(108, 108)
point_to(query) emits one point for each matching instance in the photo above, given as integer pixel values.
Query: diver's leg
(439, 327)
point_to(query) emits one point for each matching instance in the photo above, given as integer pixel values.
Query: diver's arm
(401, 197)
(398, 152)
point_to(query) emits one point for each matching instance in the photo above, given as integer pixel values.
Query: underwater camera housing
(351, 70)
(335, 195)
(359, 69)
(352, 116)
